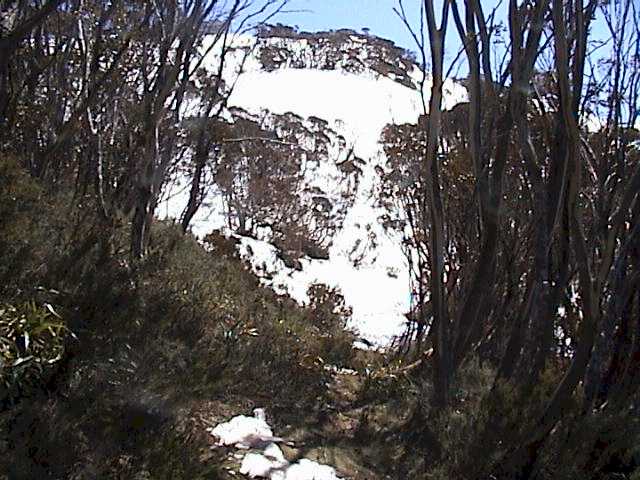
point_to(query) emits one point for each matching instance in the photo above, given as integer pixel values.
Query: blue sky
(376, 15)
(334, 14)
(379, 17)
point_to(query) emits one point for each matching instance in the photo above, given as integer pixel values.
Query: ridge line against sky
(379, 18)
(375, 15)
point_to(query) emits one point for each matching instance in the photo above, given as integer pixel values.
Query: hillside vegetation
(125, 339)
(108, 367)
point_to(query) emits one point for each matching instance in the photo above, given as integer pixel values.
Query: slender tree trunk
(442, 371)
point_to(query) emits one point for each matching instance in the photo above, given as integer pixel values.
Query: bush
(31, 344)
(185, 325)
(221, 331)
(329, 314)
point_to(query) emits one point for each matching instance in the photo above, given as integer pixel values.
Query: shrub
(220, 330)
(329, 314)
(184, 325)
(31, 344)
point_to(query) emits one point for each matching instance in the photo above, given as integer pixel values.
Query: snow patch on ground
(270, 463)
(357, 107)
(266, 464)
(243, 431)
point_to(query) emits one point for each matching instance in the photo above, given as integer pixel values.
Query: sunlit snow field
(357, 106)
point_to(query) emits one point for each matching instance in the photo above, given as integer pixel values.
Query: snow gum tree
(97, 91)
(286, 179)
(520, 218)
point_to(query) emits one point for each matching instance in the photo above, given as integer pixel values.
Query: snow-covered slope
(366, 264)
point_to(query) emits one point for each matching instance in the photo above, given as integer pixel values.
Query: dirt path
(344, 434)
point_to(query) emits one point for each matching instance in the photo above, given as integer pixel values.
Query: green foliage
(381, 388)
(185, 325)
(20, 194)
(215, 322)
(31, 343)
(457, 425)
(381, 384)
(602, 445)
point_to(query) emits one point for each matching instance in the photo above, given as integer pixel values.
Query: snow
(360, 345)
(242, 431)
(340, 371)
(264, 465)
(307, 469)
(358, 107)
(270, 463)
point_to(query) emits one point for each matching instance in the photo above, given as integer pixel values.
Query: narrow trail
(346, 434)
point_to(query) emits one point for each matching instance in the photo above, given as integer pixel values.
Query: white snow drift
(255, 433)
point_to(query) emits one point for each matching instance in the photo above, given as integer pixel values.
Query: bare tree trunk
(442, 351)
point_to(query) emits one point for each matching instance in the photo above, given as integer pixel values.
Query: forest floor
(353, 436)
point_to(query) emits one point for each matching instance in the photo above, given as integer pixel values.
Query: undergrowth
(134, 348)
